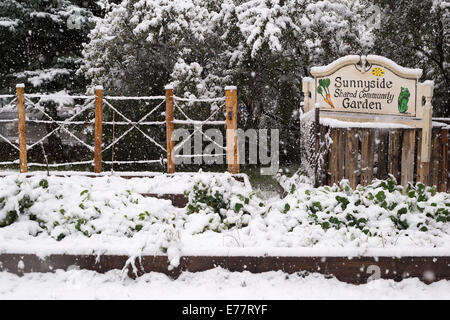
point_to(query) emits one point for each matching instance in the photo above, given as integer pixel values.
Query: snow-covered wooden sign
(370, 84)
(372, 91)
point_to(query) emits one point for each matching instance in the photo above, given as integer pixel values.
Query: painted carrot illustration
(324, 91)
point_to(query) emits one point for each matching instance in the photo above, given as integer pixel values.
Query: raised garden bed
(356, 270)
(106, 223)
(170, 188)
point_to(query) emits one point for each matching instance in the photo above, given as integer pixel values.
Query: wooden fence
(363, 154)
(99, 101)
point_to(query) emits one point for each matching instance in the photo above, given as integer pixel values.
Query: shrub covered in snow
(381, 212)
(61, 208)
(107, 212)
(222, 202)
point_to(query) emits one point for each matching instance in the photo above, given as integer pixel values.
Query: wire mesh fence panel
(134, 133)
(59, 131)
(199, 141)
(9, 149)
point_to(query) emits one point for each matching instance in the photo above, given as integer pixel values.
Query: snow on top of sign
(428, 83)
(385, 61)
(406, 72)
(334, 123)
(328, 68)
(439, 124)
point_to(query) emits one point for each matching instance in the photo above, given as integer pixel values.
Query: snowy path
(213, 284)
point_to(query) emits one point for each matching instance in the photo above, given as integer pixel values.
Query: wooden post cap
(428, 87)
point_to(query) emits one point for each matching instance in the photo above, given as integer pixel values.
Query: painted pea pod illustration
(324, 91)
(403, 99)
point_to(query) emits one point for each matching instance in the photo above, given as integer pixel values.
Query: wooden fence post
(407, 164)
(170, 129)
(444, 161)
(334, 170)
(382, 153)
(98, 129)
(307, 85)
(317, 146)
(232, 142)
(436, 160)
(20, 90)
(395, 147)
(367, 155)
(425, 152)
(351, 156)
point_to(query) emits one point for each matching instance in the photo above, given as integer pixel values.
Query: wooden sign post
(231, 119)
(372, 90)
(426, 90)
(20, 90)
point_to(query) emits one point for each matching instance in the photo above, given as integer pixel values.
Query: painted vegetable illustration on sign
(403, 99)
(378, 72)
(324, 91)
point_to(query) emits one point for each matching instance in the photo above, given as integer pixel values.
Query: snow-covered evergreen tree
(41, 42)
(417, 34)
(264, 47)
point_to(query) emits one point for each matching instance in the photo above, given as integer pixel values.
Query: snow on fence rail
(94, 103)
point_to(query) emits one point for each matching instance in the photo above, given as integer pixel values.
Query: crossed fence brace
(198, 126)
(99, 100)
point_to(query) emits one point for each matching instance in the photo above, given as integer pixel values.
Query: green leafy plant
(11, 217)
(43, 184)
(202, 196)
(227, 209)
(351, 206)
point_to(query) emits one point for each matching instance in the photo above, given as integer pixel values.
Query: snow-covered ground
(212, 284)
(108, 215)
